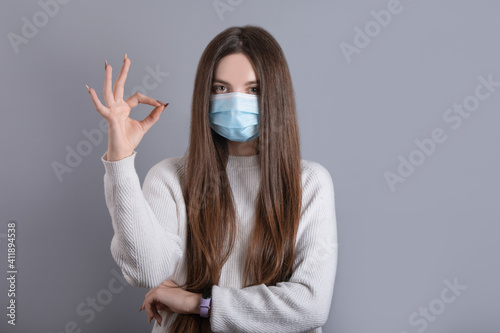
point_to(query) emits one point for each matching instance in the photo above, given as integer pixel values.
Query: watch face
(207, 293)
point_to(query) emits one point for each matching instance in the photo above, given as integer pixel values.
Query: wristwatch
(206, 297)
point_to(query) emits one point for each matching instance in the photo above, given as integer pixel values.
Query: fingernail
(125, 57)
(105, 64)
(88, 89)
(163, 103)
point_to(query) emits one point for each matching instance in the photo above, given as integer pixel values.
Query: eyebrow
(228, 84)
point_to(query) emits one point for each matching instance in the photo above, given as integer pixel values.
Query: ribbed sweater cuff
(121, 168)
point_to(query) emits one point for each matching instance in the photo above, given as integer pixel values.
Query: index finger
(149, 293)
(150, 307)
(137, 98)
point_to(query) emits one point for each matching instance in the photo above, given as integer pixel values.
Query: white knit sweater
(149, 244)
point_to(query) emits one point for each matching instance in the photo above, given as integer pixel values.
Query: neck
(240, 162)
(242, 148)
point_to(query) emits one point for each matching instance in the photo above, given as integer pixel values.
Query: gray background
(397, 248)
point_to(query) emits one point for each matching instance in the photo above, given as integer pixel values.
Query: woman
(240, 219)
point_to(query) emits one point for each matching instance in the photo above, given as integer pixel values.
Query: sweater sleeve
(144, 245)
(302, 303)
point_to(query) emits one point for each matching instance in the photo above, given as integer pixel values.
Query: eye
(254, 90)
(219, 89)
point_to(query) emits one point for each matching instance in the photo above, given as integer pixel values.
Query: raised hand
(124, 133)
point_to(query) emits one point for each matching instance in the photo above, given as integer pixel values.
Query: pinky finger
(97, 103)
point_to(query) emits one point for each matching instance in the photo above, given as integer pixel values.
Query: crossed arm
(148, 251)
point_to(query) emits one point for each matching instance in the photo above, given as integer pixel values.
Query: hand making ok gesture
(124, 133)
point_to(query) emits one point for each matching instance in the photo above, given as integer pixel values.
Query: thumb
(152, 118)
(165, 106)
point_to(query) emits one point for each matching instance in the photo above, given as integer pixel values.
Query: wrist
(113, 156)
(206, 302)
(196, 303)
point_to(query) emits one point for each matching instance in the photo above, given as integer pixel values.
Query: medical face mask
(235, 116)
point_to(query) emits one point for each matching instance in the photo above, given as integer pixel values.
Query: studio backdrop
(398, 99)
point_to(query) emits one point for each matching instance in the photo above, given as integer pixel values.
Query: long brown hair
(212, 228)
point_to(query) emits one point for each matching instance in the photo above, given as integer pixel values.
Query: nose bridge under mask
(234, 102)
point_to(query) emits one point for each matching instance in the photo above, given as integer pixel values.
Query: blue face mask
(235, 116)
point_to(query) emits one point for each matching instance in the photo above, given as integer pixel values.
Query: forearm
(144, 250)
(291, 307)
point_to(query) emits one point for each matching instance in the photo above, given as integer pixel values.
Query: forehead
(235, 68)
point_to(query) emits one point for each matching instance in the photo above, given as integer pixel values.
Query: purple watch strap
(204, 307)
